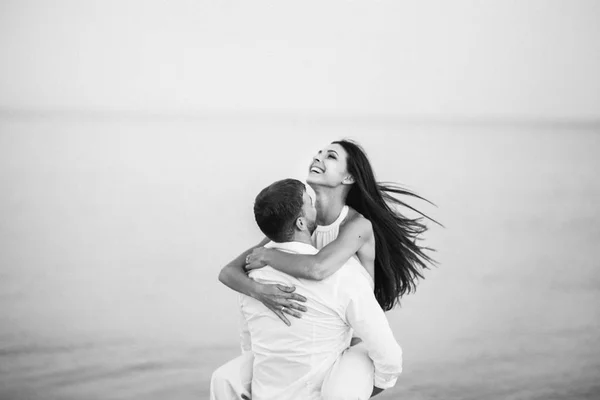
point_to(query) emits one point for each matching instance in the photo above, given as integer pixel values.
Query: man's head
(284, 210)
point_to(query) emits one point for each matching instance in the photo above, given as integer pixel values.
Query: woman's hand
(281, 300)
(256, 259)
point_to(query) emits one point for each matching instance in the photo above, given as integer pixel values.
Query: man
(293, 362)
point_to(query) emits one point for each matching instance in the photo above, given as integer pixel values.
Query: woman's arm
(274, 297)
(326, 262)
(233, 276)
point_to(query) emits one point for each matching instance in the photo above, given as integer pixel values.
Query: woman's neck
(329, 204)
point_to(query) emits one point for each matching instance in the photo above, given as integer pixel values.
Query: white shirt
(291, 362)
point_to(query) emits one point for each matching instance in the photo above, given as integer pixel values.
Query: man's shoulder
(292, 247)
(269, 273)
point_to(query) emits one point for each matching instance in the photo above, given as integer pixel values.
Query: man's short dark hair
(277, 207)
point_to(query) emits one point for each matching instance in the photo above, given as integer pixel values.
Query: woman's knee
(350, 378)
(227, 373)
(358, 388)
(343, 393)
(219, 376)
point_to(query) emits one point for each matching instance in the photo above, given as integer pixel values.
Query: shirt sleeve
(245, 340)
(370, 324)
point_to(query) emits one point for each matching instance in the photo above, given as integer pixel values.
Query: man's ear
(349, 180)
(300, 223)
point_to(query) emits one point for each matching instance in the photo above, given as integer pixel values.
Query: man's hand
(281, 300)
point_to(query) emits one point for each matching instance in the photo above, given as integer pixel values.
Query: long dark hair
(399, 260)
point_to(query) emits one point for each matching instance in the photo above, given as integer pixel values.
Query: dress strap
(337, 222)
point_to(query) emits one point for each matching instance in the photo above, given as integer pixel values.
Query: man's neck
(302, 237)
(329, 204)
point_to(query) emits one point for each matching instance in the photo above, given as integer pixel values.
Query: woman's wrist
(266, 256)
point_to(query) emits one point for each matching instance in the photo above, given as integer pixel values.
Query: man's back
(291, 362)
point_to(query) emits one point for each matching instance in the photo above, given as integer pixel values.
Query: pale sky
(448, 59)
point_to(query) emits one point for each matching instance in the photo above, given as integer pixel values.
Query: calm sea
(113, 230)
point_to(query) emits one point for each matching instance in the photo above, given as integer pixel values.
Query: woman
(355, 218)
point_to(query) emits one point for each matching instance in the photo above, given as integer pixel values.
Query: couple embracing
(332, 265)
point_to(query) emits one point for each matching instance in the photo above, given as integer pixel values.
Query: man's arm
(368, 320)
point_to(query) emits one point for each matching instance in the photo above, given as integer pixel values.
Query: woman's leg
(232, 380)
(351, 377)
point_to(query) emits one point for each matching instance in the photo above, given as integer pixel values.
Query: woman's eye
(330, 156)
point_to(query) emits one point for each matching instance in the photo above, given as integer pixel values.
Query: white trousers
(350, 378)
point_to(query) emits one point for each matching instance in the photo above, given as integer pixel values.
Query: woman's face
(329, 167)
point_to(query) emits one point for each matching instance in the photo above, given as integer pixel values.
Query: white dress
(323, 235)
(352, 375)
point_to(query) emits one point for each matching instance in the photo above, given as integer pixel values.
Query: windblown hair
(399, 260)
(277, 207)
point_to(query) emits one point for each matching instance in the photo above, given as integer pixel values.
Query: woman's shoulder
(356, 220)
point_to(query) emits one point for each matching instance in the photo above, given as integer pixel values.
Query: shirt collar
(293, 247)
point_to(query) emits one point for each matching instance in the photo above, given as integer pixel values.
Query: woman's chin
(314, 179)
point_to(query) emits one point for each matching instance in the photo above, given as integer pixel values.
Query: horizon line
(260, 115)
